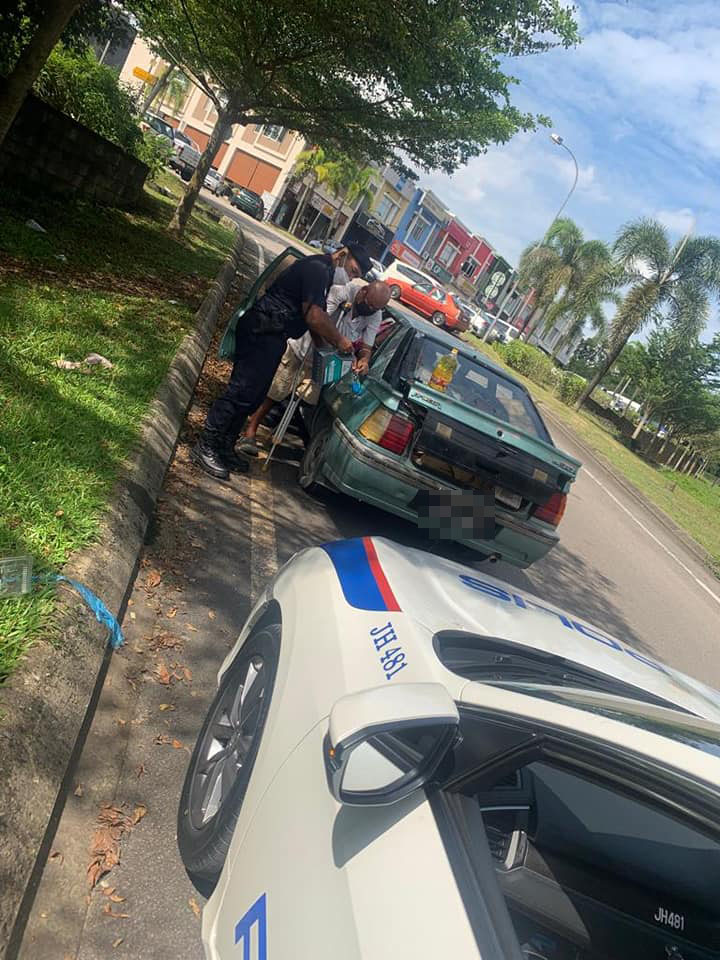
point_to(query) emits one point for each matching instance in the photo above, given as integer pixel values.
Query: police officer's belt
(273, 313)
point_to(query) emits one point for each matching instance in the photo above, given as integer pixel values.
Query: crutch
(293, 404)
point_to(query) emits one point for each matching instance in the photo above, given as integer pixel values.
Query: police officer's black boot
(207, 454)
(234, 461)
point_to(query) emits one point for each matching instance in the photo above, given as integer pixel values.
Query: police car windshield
(477, 386)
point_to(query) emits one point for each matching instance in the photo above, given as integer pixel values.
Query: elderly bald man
(356, 309)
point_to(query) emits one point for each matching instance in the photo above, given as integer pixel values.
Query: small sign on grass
(15, 576)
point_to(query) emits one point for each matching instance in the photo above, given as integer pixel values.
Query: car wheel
(395, 291)
(223, 758)
(438, 319)
(309, 474)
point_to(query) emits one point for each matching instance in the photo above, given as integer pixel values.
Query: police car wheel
(311, 462)
(438, 319)
(395, 291)
(223, 758)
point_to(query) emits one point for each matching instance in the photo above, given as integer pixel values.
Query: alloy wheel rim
(227, 743)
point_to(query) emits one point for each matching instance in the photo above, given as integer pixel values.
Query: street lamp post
(558, 141)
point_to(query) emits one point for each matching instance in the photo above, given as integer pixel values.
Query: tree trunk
(668, 434)
(15, 87)
(187, 201)
(630, 400)
(297, 216)
(678, 465)
(641, 423)
(158, 87)
(597, 379)
(690, 464)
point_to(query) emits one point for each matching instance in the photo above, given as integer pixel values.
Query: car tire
(209, 806)
(438, 319)
(310, 465)
(395, 291)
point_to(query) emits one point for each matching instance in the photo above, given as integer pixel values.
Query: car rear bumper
(367, 473)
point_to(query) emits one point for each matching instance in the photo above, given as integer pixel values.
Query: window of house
(448, 254)
(272, 131)
(469, 266)
(386, 209)
(418, 232)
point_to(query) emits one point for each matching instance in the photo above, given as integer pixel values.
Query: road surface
(213, 546)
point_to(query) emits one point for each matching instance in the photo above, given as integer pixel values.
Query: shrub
(90, 93)
(155, 151)
(570, 386)
(529, 361)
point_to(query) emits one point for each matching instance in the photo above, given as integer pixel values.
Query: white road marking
(652, 536)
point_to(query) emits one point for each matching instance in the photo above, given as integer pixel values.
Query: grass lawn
(63, 434)
(693, 504)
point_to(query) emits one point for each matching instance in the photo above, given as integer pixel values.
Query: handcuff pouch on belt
(272, 314)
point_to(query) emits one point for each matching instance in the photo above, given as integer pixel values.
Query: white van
(403, 271)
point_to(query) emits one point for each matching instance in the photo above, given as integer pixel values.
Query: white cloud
(677, 221)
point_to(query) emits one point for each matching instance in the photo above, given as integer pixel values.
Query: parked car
(185, 159)
(327, 246)
(214, 182)
(376, 270)
(502, 331)
(398, 270)
(151, 121)
(249, 202)
(429, 300)
(402, 438)
(183, 140)
(480, 322)
(407, 758)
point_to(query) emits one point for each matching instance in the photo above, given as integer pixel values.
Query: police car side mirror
(386, 742)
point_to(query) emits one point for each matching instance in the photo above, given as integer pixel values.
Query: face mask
(364, 310)
(340, 276)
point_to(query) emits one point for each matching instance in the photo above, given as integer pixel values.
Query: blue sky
(639, 104)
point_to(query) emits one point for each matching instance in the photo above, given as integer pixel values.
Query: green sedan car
(446, 439)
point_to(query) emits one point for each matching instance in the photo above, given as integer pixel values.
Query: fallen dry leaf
(78, 791)
(139, 770)
(56, 856)
(191, 627)
(211, 614)
(165, 641)
(121, 721)
(132, 615)
(162, 674)
(195, 906)
(138, 813)
(109, 912)
(172, 612)
(116, 898)
(162, 738)
(59, 513)
(177, 744)
(116, 943)
(153, 579)
(167, 706)
(187, 674)
(112, 823)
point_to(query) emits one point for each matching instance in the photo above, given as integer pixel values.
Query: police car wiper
(493, 660)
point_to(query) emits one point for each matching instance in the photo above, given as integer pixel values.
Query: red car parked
(430, 301)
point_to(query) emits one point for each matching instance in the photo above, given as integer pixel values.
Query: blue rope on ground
(102, 614)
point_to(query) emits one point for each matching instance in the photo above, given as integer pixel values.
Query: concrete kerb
(48, 705)
(692, 546)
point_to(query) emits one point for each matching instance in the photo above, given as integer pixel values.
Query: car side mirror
(386, 742)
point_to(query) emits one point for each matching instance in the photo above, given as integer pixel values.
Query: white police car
(408, 759)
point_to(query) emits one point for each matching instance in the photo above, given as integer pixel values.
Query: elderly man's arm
(320, 325)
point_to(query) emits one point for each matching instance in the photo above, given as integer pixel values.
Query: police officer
(295, 303)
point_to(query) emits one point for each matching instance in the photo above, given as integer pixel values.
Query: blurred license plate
(507, 497)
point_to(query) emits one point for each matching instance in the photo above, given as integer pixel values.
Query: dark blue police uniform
(260, 341)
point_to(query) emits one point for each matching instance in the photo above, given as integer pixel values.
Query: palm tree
(351, 184)
(663, 282)
(558, 267)
(312, 164)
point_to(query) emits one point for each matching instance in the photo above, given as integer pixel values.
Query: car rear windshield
(477, 386)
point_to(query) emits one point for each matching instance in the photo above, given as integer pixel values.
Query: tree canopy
(415, 82)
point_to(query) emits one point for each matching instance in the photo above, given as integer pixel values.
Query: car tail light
(388, 430)
(552, 511)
